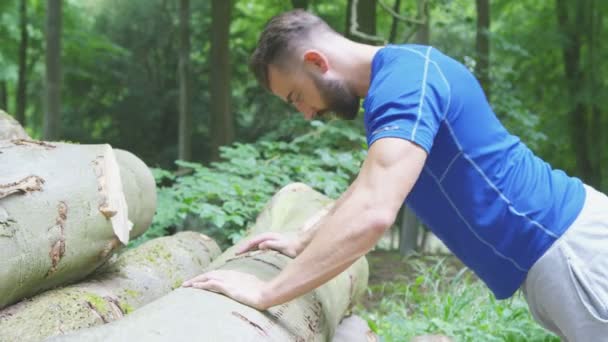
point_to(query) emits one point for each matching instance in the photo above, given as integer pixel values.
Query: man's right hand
(288, 245)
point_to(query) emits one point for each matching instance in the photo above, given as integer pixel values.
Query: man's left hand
(242, 287)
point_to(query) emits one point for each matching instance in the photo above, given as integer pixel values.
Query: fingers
(198, 279)
(255, 242)
(277, 245)
(210, 285)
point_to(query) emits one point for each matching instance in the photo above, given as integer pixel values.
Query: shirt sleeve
(408, 98)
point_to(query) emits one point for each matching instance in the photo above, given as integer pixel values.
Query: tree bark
(222, 120)
(423, 34)
(22, 78)
(574, 28)
(63, 211)
(185, 114)
(52, 118)
(3, 96)
(410, 229)
(137, 277)
(312, 317)
(10, 128)
(483, 44)
(395, 23)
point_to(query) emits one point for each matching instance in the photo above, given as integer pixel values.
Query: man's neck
(355, 63)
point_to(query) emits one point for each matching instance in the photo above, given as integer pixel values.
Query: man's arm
(386, 178)
(306, 235)
(290, 244)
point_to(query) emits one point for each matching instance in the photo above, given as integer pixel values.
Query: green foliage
(459, 306)
(223, 199)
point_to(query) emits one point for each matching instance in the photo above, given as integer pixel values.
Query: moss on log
(133, 279)
(188, 314)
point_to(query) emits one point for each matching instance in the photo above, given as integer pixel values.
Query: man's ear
(317, 60)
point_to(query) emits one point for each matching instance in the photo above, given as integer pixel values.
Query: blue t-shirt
(496, 205)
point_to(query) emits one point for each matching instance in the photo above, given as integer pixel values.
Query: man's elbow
(379, 220)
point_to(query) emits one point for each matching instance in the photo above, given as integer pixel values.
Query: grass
(436, 295)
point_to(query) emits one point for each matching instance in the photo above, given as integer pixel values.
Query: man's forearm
(340, 240)
(307, 234)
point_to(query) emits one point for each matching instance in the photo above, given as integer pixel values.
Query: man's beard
(339, 98)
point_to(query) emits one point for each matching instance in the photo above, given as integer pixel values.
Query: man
(434, 140)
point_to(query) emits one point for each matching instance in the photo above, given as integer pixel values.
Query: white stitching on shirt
(495, 188)
(449, 166)
(447, 107)
(387, 128)
(427, 170)
(422, 93)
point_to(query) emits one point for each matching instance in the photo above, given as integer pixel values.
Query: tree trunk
(10, 128)
(312, 317)
(483, 45)
(3, 96)
(395, 23)
(52, 116)
(410, 226)
(185, 114)
(410, 229)
(574, 27)
(63, 211)
(137, 277)
(423, 34)
(303, 4)
(596, 137)
(222, 120)
(22, 78)
(361, 21)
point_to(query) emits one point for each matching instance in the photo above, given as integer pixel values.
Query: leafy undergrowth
(418, 295)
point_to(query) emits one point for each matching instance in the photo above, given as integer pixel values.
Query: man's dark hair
(281, 37)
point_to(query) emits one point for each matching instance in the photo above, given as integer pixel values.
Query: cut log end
(113, 205)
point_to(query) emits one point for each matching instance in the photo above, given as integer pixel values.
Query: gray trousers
(567, 288)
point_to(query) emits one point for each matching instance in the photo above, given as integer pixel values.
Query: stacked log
(136, 277)
(64, 209)
(188, 314)
(10, 128)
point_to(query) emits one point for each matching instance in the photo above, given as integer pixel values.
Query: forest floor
(387, 267)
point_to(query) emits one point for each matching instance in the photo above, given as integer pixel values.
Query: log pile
(126, 283)
(67, 209)
(214, 317)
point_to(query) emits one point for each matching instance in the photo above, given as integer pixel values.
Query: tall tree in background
(22, 78)
(53, 71)
(482, 68)
(423, 34)
(3, 96)
(303, 4)
(392, 37)
(361, 21)
(185, 114)
(580, 25)
(410, 225)
(222, 119)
